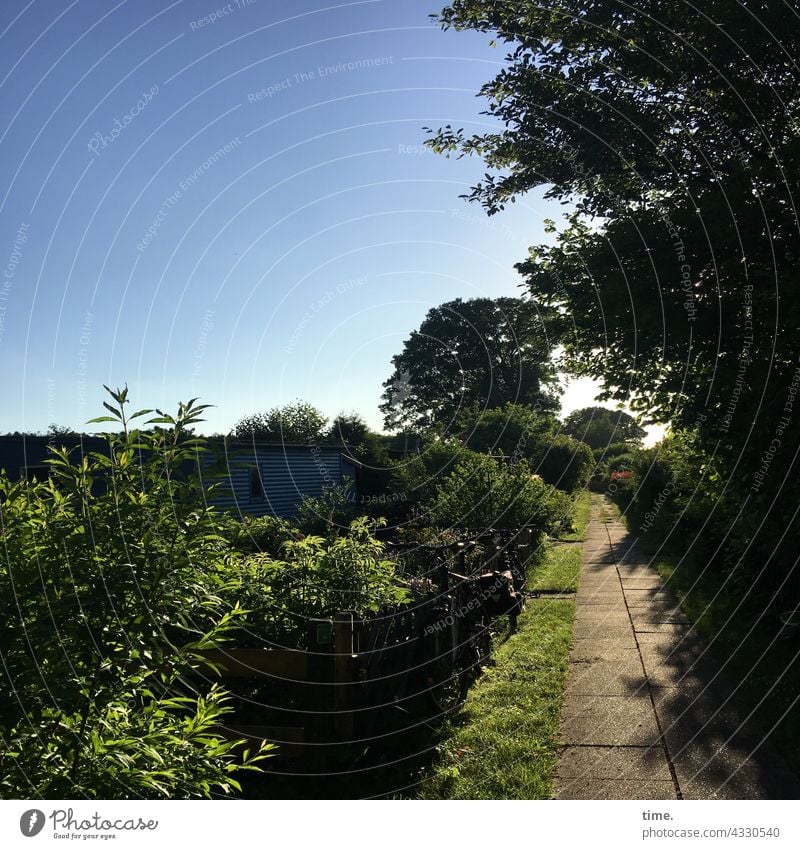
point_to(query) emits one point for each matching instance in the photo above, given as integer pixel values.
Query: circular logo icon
(31, 822)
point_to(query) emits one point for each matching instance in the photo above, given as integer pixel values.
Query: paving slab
(641, 763)
(637, 602)
(609, 720)
(636, 595)
(632, 582)
(648, 713)
(598, 788)
(594, 630)
(607, 649)
(601, 598)
(646, 616)
(606, 678)
(644, 638)
(724, 774)
(606, 581)
(669, 628)
(630, 663)
(609, 613)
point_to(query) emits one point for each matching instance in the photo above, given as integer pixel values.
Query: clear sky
(231, 200)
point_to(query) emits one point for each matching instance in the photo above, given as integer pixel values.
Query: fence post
(321, 675)
(343, 651)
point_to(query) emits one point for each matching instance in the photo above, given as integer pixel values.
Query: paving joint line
(646, 746)
(662, 737)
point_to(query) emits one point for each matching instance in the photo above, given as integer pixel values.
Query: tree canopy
(520, 433)
(349, 429)
(299, 422)
(483, 351)
(670, 131)
(599, 427)
(673, 130)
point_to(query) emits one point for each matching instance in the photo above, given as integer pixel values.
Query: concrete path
(647, 713)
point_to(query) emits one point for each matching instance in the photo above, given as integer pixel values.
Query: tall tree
(599, 427)
(485, 352)
(673, 128)
(348, 429)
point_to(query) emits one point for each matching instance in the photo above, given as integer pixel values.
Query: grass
(504, 743)
(581, 513)
(559, 571)
(754, 657)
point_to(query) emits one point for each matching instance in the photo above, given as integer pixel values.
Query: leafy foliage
(480, 352)
(521, 432)
(672, 130)
(300, 422)
(419, 475)
(368, 449)
(262, 534)
(110, 587)
(599, 427)
(348, 429)
(317, 577)
(481, 492)
(333, 510)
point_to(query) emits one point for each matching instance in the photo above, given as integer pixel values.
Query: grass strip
(504, 744)
(581, 513)
(560, 569)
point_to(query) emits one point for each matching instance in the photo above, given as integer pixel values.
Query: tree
(348, 429)
(299, 422)
(485, 352)
(519, 432)
(513, 429)
(369, 451)
(57, 431)
(671, 129)
(600, 427)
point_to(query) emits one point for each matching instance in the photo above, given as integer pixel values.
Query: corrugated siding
(287, 476)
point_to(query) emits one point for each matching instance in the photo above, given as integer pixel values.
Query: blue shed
(271, 479)
(259, 479)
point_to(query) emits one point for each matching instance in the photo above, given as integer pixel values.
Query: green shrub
(418, 475)
(317, 578)
(564, 462)
(329, 513)
(259, 535)
(522, 433)
(482, 491)
(562, 505)
(111, 585)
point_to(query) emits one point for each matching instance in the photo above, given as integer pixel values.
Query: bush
(259, 535)
(522, 433)
(564, 463)
(329, 513)
(316, 578)
(111, 585)
(417, 477)
(481, 491)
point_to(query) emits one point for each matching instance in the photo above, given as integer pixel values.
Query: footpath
(648, 714)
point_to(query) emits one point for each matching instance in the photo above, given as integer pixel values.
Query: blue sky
(231, 200)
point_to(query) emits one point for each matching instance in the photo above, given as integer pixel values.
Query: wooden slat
(286, 664)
